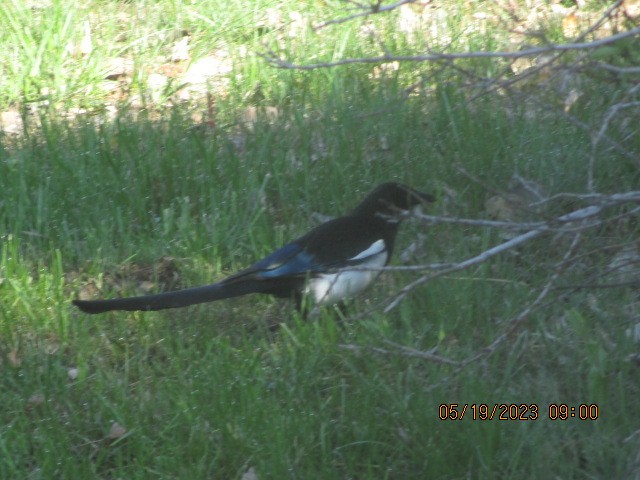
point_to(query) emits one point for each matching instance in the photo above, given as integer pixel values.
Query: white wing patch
(333, 287)
(376, 247)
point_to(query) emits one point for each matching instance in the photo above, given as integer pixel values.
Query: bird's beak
(426, 197)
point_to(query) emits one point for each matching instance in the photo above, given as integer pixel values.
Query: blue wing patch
(293, 260)
(288, 260)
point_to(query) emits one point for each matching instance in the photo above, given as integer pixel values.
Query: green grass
(96, 205)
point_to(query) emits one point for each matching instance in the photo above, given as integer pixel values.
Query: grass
(113, 206)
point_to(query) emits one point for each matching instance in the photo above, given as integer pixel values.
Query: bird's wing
(347, 241)
(333, 245)
(289, 261)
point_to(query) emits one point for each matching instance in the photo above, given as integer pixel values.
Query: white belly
(330, 288)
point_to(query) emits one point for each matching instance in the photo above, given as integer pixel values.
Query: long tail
(179, 298)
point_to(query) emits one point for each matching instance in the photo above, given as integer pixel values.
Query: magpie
(315, 265)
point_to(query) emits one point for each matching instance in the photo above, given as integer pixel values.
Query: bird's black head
(390, 197)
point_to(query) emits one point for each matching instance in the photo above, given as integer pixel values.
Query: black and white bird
(315, 265)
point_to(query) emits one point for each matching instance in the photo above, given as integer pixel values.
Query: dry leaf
(180, 50)
(383, 141)
(633, 358)
(502, 208)
(404, 435)
(11, 122)
(625, 265)
(86, 45)
(570, 99)
(118, 67)
(631, 9)
(116, 431)
(34, 401)
(157, 84)
(51, 344)
(570, 26)
(633, 333)
(216, 64)
(251, 115)
(297, 24)
(250, 474)
(14, 358)
(514, 205)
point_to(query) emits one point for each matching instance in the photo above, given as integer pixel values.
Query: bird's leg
(341, 309)
(302, 305)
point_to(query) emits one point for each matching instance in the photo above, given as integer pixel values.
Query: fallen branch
(577, 215)
(524, 314)
(271, 57)
(513, 325)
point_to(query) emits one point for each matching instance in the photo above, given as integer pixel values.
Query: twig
(596, 286)
(514, 323)
(368, 10)
(611, 112)
(524, 314)
(618, 70)
(475, 179)
(401, 350)
(563, 224)
(428, 355)
(272, 59)
(433, 219)
(496, 84)
(613, 199)
(587, 128)
(577, 215)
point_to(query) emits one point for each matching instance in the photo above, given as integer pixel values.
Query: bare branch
(616, 145)
(611, 132)
(524, 314)
(618, 70)
(496, 84)
(368, 10)
(513, 324)
(596, 139)
(272, 59)
(483, 257)
(608, 200)
(402, 350)
(572, 222)
(599, 286)
(583, 217)
(578, 215)
(433, 219)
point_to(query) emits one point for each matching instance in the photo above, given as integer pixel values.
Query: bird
(332, 262)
